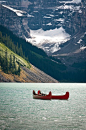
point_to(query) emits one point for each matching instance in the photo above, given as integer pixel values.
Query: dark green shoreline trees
(15, 48)
(9, 65)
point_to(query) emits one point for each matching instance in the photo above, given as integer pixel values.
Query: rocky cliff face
(52, 24)
(75, 25)
(75, 21)
(14, 21)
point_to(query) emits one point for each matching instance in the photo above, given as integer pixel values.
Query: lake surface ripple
(19, 111)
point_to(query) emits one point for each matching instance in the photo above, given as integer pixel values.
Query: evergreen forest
(9, 65)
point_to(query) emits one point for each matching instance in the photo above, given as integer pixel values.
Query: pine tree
(19, 70)
(10, 64)
(6, 62)
(17, 48)
(14, 61)
(0, 36)
(3, 64)
(14, 64)
(0, 59)
(20, 51)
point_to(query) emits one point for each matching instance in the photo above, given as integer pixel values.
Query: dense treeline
(47, 64)
(9, 43)
(9, 65)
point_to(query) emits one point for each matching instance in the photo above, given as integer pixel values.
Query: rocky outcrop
(75, 48)
(16, 24)
(75, 22)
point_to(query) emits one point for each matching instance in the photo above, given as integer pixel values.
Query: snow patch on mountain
(76, 1)
(73, 1)
(82, 48)
(79, 41)
(2, 2)
(71, 7)
(18, 12)
(49, 24)
(48, 40)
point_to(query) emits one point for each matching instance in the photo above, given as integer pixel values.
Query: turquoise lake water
(19, 111)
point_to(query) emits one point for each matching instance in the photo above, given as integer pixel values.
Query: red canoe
(42, 96)
(50, 96)
(61, 97)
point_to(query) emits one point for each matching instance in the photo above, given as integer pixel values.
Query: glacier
(55, 37)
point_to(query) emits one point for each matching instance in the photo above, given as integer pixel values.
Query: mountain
(56, 22)
(13, 21)
(57, 27)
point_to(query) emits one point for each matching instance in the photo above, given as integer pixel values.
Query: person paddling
(39, 92)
